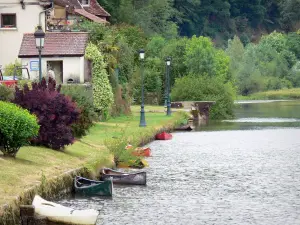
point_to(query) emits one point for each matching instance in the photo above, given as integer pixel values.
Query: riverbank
(37, 169)
(284, 94)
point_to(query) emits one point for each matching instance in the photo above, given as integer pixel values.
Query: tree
(199, 56)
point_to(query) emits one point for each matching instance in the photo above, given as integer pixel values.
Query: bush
(17, 126)
(83, 97)
(56, 112)
(197, 88)
(6, 93)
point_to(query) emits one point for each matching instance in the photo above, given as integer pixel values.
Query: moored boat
(184, 128)
(139, 178)
(145, 152)
(92, 187)
(65, 215)
(163, 136)
(138, 164)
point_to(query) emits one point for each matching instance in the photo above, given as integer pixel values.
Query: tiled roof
(71, 3)
(89, 16)
(96, 9)
(56, 44)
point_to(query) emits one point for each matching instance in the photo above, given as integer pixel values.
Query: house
(17, 17)
(64, 47)
(63, 53)
(69, 12)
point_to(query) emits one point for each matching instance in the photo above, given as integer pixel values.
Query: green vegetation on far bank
(283, 94)
(34, 164)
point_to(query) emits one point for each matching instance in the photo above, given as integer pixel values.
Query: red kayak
(163, 136)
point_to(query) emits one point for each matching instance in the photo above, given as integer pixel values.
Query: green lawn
(285, 94)
(17, 175)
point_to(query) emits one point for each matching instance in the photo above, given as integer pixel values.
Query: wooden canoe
(92, 187)
(163, 136)
(65, 215)
(184, 128)
(124, 178)
(137, 164)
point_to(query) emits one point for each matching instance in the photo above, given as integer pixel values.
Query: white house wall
(73, 67)
(11, 38)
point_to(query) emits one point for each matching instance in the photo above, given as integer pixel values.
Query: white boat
(58, 213)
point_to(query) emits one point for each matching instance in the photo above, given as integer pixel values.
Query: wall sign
(34, 65)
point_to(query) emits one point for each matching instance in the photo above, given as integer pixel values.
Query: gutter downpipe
(46, 10)
(40, 24)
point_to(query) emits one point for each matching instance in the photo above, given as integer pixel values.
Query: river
(234, 172)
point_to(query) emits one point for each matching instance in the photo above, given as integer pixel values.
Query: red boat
(145, 152)
(163, 136)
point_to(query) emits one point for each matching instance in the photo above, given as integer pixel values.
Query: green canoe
(92, 187)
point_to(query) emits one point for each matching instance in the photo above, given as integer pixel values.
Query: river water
(235, 172)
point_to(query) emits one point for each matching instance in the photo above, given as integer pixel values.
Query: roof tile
(56, 44)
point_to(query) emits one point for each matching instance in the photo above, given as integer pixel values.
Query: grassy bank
(37, 165)
(284, 94)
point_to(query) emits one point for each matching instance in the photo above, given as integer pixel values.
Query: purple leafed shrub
(55, 113)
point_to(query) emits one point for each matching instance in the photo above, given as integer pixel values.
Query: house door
(56, 68)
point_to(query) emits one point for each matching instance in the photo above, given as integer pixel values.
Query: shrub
(117, 147)
(6, 93)
(55, 112)
(83, 97)
(17, 126)
(197, 88)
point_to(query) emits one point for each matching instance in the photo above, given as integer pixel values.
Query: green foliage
(6, 93)
(268, 65)
(102, 90)
(17, 126)
(117, 147)
(201, 57)
(9, 69)
(199, 88)
(83, 97)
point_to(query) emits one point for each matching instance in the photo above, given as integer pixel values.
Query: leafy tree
(290, 14)
(197, 88)
(199, 56)
(202, 58)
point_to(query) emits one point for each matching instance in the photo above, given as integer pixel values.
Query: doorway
(55, 68)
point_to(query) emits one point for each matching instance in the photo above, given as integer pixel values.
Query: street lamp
(168, 63)
(39, 36)
(142, 118)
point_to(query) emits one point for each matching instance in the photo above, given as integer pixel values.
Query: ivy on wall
(102, 90)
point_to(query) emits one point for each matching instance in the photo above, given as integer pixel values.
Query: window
(85, 2)
(8, 20)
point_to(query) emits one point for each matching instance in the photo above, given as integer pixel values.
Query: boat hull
(163, 136)
(145, 152)
(65, 215)
(125, 178)
(137, 164)
(92, 187)
(184, 128)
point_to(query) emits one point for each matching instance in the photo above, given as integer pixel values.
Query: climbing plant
(102, 90)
